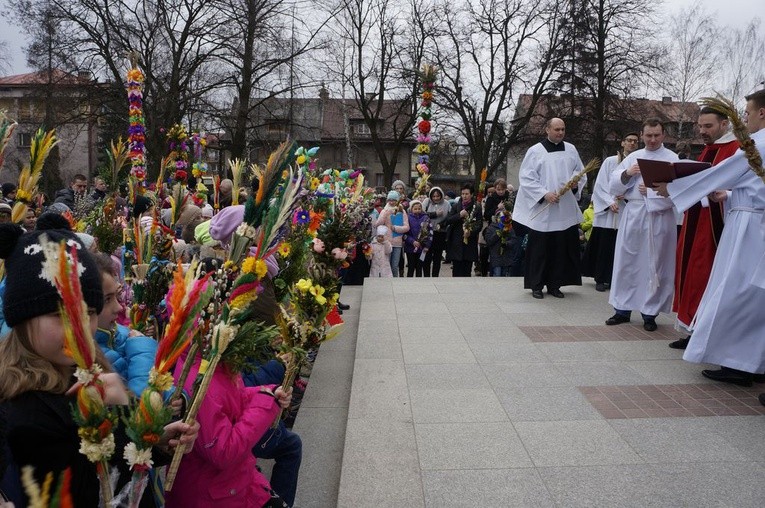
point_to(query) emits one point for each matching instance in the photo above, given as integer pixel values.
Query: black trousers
(461, 268)
(598, 260)
(414, 265)
(552, 259)
(484, 260)
(432, 264)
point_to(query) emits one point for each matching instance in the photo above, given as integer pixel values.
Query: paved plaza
(468, 392)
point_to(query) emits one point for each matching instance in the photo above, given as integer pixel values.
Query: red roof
(57, 76)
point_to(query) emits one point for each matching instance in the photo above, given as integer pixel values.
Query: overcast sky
(734, 13)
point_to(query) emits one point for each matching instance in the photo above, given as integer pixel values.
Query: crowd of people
(654, 249)
(694, 246)
(234, 426)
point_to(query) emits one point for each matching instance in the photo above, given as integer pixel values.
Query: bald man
(552, 253)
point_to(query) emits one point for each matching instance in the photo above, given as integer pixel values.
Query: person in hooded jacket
(436, 208)
(417, 241)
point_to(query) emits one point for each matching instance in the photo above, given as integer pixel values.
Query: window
(361, 129)
(25, 140)
(276, 129)
(379, 180)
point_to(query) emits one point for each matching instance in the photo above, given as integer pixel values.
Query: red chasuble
(697, 244)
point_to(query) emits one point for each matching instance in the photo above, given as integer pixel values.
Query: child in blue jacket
(130, 352)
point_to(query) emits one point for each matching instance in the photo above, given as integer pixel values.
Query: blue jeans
(395, 258)
(500, 271)
(286, 449)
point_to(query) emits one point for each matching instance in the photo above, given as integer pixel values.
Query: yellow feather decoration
(42, 144)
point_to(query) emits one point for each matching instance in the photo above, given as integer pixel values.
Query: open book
(663, 172)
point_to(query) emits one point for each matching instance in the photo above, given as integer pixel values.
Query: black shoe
(555, 292)
(649, 326)
(758, 378)
(617, 319)
(340, 311)
(600, 287)
(342, 306)
(537, 293)
(680, 343)
(727, 375)
(761, 398)
(607, 285)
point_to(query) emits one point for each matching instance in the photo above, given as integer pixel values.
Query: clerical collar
(552, 147)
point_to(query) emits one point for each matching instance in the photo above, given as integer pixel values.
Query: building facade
(61, 99)
(626, 116)
(337, 126)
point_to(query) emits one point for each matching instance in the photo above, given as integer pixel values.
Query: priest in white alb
(644, 261)
(598, 260)
(552, 253)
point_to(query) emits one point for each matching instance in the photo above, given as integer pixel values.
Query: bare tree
(176, 41)
(614, 54)
(5, 57)
(693, 59)
(488, 52)
(383, 54)
(264, 40)
(742, 70)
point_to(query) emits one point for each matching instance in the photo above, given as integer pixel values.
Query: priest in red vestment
(702, 227)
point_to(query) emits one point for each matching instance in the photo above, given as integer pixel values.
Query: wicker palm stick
(591, 166)
(725, 107)
(224, 334)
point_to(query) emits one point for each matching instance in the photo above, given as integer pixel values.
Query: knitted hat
(189, 214)
(393, 196)
(223, 225)
(8, 187)
(86, 239)
(29, 292)
(398, 182)
(207, 211)
(6, 208)
(382, 230)
(58, 208)
(414, 202)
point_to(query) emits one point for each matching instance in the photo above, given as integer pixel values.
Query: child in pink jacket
(381, 249)
(220, 470)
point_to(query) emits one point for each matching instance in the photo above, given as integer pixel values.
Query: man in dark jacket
(77, 186)
(99, 189)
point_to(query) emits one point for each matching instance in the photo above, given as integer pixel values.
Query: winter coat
(437, 212)
(65, 196)
(131, 357)
(97, 195)
(587, 217)
(416, 223)
(493, 201)
(501, 253)
(380, 265)
(42, 434)
(399, 220)
(456, 249)
(221, 470)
